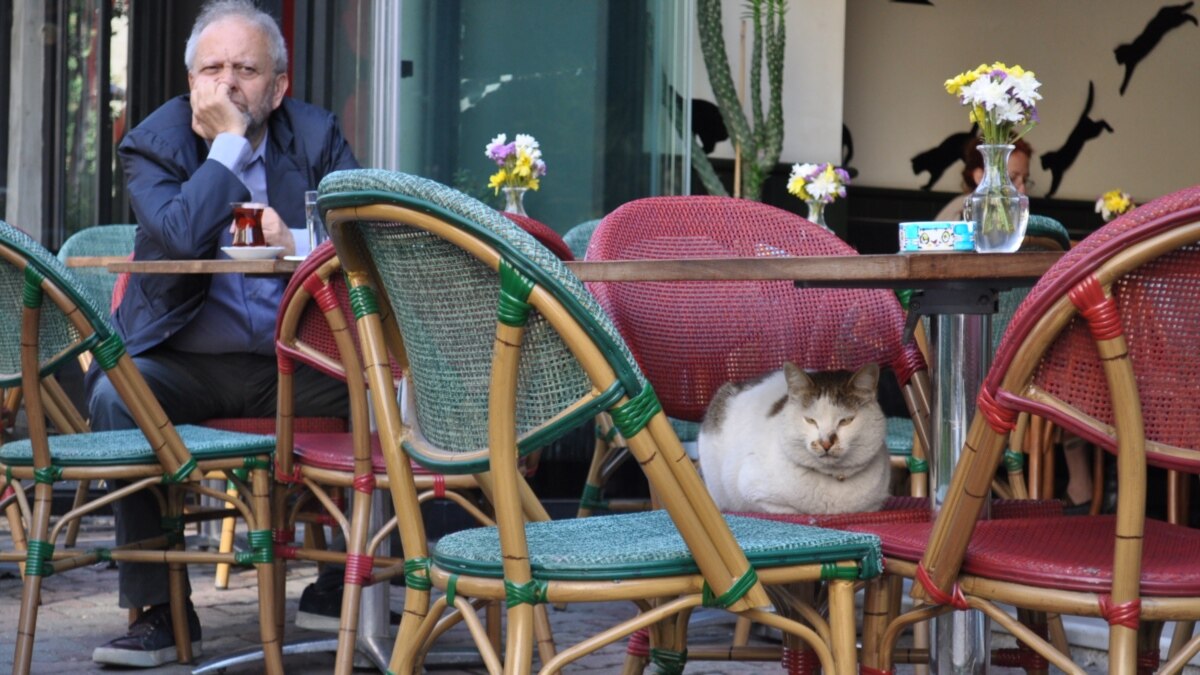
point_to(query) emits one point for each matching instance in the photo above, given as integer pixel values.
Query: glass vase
(816, 212)
(514, 200)
(998, 210)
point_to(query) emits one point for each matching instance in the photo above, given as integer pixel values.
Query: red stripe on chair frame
(909, 361)
(291, 479)
(365, 483)
(954, 598)
(639, 643)
(1098, 309)
(1125, 614)
(286, 365)
(285, 552)
(868, 670)
(1148, 661)
(283, 536)
(1001, 420)
(439, 485)
(799, 661)
(322, 292)
(358, 568)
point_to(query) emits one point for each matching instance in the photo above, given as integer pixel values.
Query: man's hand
(213, 111)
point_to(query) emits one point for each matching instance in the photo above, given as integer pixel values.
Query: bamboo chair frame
(671, 474)
(1087, 296)
(175, 467)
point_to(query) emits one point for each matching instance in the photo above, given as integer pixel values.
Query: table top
(901, 270)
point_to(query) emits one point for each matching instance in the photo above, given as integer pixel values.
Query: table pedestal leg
(962, 351)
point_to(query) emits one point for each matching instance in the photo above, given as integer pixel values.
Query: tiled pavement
(80, 611)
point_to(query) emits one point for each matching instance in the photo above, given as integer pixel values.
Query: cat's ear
(798, 381)
(866, 380)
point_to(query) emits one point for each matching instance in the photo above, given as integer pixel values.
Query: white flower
(825, 186)
(1009, 110)
(1024, 87)
(803, 170)
(498, 141)
(984, 92)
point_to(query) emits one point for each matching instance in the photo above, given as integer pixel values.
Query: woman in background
(972, 173)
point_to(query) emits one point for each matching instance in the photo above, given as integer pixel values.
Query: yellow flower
(533, 184)
(496, 181)
(796, 185)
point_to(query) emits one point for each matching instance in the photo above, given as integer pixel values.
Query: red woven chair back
(1159, 308)
(691, 337)
(542, 232)
(313, 330)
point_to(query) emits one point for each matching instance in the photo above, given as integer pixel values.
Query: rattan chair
(158, 456)
(1105, 345)
(316, 327)
(504, 350)
(577, 237)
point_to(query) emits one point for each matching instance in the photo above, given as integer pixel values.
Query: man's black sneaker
(150, 641)
(321, 609)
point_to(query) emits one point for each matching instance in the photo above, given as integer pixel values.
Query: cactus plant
(759, 138)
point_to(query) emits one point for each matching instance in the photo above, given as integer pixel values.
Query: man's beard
(256, 118)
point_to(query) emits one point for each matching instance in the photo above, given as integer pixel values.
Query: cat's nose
(826, 444)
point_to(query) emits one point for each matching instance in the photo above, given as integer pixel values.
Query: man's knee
(105, 408)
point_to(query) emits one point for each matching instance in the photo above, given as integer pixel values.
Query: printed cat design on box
(797, 442)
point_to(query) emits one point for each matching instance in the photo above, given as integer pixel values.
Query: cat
(1166, 20)
(797, 442)
(1058, 161)
(941, 156)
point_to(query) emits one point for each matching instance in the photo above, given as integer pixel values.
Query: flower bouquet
(1113, 203)
(520, 165)
(1002, 102)
(817, 185)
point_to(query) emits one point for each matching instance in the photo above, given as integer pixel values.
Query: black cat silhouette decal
(1058, 161)
(707, 122)
(1168, 18)
(848, 152)
(940, 157)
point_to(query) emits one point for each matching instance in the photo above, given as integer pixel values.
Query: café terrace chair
(1105, 346)
(690, 337)
(316, 328)
(57, 322)
(503, 350)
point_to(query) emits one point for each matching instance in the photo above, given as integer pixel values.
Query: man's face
(235, 53)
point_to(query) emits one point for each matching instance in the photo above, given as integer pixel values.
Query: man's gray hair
(218, 10)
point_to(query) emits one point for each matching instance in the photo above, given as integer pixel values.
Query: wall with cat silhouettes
(1091, 137)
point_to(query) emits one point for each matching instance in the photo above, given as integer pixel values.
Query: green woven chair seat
(129, 446)
(646, 544)
(899, 436)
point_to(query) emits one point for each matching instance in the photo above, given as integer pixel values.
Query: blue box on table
(942, 235)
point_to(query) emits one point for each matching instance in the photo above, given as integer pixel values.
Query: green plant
(759, 138)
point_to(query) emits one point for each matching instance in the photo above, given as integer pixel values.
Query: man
(204, 343)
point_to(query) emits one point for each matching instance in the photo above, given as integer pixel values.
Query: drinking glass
(247, 221)
(312, 217)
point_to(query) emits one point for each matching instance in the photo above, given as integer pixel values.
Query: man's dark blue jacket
(182, 203)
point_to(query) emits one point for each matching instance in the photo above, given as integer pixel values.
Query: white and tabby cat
(797, 442)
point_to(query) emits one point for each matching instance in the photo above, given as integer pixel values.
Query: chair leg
(81, 493)
(637, 652)
(16, 527)
(228, 526)
(31, 592)
(268, 600)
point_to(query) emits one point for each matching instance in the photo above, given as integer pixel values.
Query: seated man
(205, 343)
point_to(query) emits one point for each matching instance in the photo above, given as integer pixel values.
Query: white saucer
(295, 258)
(252, 252)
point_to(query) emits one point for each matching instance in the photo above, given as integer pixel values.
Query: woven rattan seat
(640, 545)
(335, 452)
(129, 446)
(1067, 553)
(504, 351)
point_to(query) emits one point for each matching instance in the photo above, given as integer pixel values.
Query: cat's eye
(810, 421)
(844, 421)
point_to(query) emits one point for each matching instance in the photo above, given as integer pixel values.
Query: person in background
(205, 343)
(972, 173)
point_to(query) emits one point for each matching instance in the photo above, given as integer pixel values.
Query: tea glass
(247, 224)
(317, 234)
